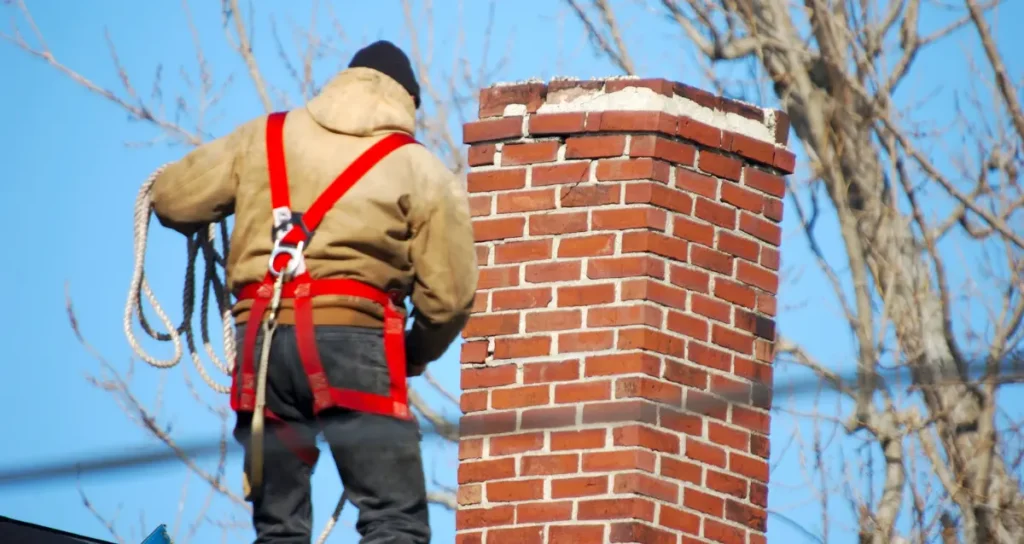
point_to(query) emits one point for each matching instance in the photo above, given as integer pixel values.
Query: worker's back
(407, 218)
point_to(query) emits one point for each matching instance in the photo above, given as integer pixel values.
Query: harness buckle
(284, 221)
(296, 263)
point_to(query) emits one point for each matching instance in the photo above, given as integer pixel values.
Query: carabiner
(296, 263)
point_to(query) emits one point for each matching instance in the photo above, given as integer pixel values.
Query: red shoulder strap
(279, 196)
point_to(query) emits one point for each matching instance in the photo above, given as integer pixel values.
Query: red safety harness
(291, 234)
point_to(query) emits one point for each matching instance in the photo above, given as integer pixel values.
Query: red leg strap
(305, 337)
(244, 395)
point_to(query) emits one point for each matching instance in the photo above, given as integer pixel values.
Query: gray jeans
(378, 457)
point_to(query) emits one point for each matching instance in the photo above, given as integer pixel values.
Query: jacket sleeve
(200, 188)
(444, 260)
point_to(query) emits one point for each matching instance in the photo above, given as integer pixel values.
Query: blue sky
(71, 182)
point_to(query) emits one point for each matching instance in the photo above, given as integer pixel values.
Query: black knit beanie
(387, 58)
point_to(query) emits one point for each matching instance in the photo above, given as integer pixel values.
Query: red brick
(471, 448)
(555, 320)
(749, 148)
(656, 243)
(529, 153)
(576, 196)
(727, 484)
(474, 352)
(538, 465)
(685, 374)
(719, 165)
(744, 248)
(490, 516)
(519, 298)
(568, 393)
(735, 293)
(496, 180)
(691, 230)
(720, 215)
(760, 446)
(541, 512)
(646, 437)
(515, 444)
(629, 218)
(586, 246)
(705, 453)
(773, 209)
(650, 340)
(711, 308)
(622, 508)
(492, 129)
(690, 279)
(473, 401)
(526, 201)
(622, 363)
(687, 325)
(488, 423)
(641, 484)
(501, 276)
(701, 133)
(634, 531)
(625, 267)
(494, 99)
(573, 342)
(549, 418)
(758, 277)
(752, 517)
(731, 339)
(785, 161)
(520, 397)
(680, 520)
(764, 182)
(548, 372)
(520, 535)
(712, 260)
(586, 295)
(491, 325)
(662, 148)
(482, 471)
(633, 169)
(556, 123)
(590, 439)
(558, 223)
(650, 389)
(620, 410)
(644, 289)
(720, 532)
(759, 422)
(481, 154)
(761, 229)
(659, 195)
(573, 172)
(592, 147)
(514, 348)
(521, 490)
(702, 502)
(681, 470)
(618, 316)
(727, 436)
(742, 198)
(480, 205)
(695, 182)
(759, 494)
(489, 376)
(575, 534)
(553, 272)
(611, 461)
(565, 488)
(518, 252)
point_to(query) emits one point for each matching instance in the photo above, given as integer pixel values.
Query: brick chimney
(628, 234)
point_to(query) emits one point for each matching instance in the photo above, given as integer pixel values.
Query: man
(401, 228)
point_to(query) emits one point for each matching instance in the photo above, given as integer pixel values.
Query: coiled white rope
(212, 284)
(203, 242)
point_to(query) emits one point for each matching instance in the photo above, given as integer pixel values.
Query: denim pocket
(353, 358)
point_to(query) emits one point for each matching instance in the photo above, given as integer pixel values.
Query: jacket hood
(363, 102)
